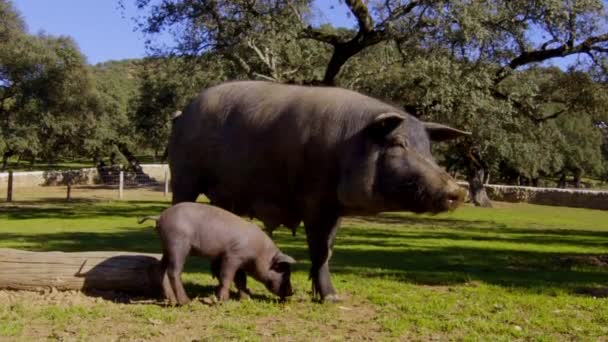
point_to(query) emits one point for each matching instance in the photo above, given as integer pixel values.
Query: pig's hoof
(332, 298)
(210, 300)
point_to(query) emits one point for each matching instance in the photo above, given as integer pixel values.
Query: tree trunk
(477, 192)
(562, 180)
(113, 158)
(578, 173)
(108, 271)
(133, 162)
(5, 157)
(165, 155)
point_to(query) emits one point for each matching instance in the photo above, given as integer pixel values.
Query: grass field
(515, 272)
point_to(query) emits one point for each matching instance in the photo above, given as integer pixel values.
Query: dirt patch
(350, 320)
(600, 261)
(52, 296)
(598, 292)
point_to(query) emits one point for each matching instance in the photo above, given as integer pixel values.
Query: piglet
(236, 248)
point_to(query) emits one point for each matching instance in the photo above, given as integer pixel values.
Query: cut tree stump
(127, 272)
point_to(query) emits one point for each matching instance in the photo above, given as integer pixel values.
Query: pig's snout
(287, 291)
(444, 193)
(454, 195)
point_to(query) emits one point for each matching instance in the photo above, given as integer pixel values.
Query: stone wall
(50, 178)
(505, 193)
(156, 171)
(590, 199)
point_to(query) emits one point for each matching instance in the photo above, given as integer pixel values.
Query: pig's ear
(384, 123)
(281, 260)
(439, 132)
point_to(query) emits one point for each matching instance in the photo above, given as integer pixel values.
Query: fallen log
(127, 272)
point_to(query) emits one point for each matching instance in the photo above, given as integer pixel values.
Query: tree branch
(401, 11)
(364, 19)
(329, 38)
(366, 36)
(545, 54)
(241, 62)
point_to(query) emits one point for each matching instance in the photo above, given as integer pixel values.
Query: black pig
(236, 248)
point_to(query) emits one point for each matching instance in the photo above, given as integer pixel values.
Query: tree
(116, 85)
(165, 86)
(46, 92)
(488, 43)
(258, 37)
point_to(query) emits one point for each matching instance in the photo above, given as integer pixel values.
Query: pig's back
(210, 231)
(260, 147)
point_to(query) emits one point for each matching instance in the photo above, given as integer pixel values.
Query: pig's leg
(216, 266)
(227, 272)
(320, 235)
(240, 280)
(167, 290)
(185, 188)
(177, 258)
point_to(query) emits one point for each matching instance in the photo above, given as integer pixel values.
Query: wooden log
(127, 272)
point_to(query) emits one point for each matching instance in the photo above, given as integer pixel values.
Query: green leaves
(45, 91)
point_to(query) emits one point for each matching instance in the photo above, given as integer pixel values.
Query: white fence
(111, 182)
(152, 182)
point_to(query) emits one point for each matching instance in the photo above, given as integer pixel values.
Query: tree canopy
(473, 64)
(481, 66)
(46, 91)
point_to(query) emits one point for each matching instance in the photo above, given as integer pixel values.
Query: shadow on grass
(413, 249)
(79, 209)
(434, 265)
(467, 230)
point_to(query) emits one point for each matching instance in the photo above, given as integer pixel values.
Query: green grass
(516, 272)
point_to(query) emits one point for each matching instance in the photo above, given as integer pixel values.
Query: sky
(105, 32)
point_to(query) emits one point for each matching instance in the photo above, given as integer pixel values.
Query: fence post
(68, 176)
(121, 181)
(9, 189)
(69, 195)
(166, 182)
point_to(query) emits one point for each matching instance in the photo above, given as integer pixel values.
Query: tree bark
(108, 271)
(578, 173)
(477, 192)
(133, 162)
(562, 180)
(5, 157)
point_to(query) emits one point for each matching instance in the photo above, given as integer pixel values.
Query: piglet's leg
(216, 266)
(176, 259)
(227, 272)
(240, 280)
(166, 286)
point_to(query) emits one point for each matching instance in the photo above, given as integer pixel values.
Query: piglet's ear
(280, 261)
(280, 257)
(385, 123)
(439, 132)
